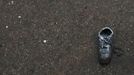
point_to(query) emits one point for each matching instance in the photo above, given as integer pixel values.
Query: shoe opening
(106, 32)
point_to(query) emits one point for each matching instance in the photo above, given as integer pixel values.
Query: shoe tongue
(106, 41)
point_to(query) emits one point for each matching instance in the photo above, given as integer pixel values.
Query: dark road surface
(58, 37)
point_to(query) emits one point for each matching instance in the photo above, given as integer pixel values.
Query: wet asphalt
(59, 37)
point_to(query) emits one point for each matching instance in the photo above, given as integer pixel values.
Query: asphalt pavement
(59, 37)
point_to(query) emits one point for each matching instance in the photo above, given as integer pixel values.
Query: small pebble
(132, 41)
(6, 26)
(19, 16)
(131, 26)
(44, 41)
(11, 3)
(128, 49)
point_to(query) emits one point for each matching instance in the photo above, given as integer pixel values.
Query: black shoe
(105, 41)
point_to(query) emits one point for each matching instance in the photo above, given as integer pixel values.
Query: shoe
(105, 45)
